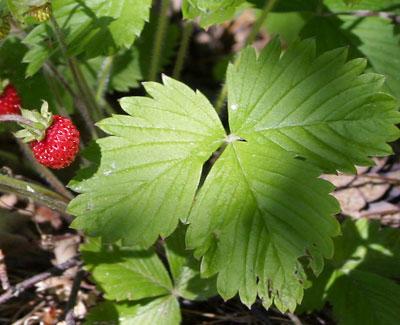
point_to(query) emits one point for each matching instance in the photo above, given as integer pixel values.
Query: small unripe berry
(4, 27)
(41, 13)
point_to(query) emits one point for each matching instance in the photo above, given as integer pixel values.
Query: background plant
(236, 173)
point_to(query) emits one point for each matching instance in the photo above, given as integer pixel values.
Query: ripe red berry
(9, 101)
(60, 145)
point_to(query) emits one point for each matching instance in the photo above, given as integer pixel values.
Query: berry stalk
(18, 119)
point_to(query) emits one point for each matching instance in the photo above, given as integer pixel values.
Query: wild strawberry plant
(179, 203)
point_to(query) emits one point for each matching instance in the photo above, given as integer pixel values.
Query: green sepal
(40, 122)
(3, 84)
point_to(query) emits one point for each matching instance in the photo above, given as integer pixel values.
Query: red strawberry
(60, 145)
(9, 101)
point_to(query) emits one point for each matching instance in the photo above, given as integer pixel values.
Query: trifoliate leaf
(373, 37)
(160, 311)
(322, 108)
(357, 282)
(140, 282)
(262, 207)
(151, 165)
(209, 11)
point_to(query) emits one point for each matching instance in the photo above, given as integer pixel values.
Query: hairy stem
(35, 192)
(44, 172)
(180, 60)
(104, 77)
(159, 40)
(55, 90)
(51, 69)
(269, 5)
(16, 118)
(83, 88)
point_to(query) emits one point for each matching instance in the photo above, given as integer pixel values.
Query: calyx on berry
(39, 123)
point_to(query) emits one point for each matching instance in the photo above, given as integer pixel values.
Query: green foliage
(262, 207)
(372, 37)
(358, 282)
(210, 12)
(301, 103)
(374, 5)
(91, 27)
(154, 160)
(160, 311)
(32, 90)
(133, 65)
(140, 284)
(129, 67)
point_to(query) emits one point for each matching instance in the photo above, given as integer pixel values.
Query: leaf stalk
(159, 40)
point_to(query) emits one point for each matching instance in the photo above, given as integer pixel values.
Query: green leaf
(209, 11)
(139, 281)
(301, 103)
(331, 5)
(185, 270)
(31, 90)
(161, 311)
(365, 298)
(262, 216)
(290, 5)
(373, 5)
(151, 165)
(372, 37)
(93, 28)
(287, 25)
(129, 18)
(357, 282)
(249, 226)
(126, 273)
(132, 66)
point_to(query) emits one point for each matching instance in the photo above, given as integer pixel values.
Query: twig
(69, 311)
(28, 318)
(380, 177)
(44, 172)
(294, 319)
(159, 40)
(5, 283)
(386, 212)
(21, 287)
(180, 59)
(35, 192)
